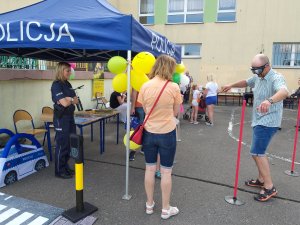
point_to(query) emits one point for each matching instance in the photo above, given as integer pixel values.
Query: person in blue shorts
(211, 93)
(269, 90)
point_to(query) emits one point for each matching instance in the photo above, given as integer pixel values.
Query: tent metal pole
(126, 196)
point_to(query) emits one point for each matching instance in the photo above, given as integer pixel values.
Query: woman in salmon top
(159, 134)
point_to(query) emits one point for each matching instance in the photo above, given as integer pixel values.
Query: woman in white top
(195, 104)
(211, 92)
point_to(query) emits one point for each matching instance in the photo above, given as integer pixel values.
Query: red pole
(239, 150)
(295, 139)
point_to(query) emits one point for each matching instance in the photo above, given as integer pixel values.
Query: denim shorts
(162, 144)
(261, 138)
(211, 100)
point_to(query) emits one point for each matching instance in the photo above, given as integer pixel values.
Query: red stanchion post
(233, 199)
(292, 172)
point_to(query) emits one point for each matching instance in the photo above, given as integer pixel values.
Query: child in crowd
(195, 102)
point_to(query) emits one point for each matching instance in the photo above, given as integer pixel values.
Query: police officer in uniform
(64, 99)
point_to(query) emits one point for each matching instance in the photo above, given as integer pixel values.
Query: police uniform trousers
(64, 126)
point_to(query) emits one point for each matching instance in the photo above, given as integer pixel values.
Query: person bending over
(117, 101)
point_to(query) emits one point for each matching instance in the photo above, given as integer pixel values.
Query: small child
(195, 103)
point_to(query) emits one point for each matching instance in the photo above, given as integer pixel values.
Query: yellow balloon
(144, 61)
(132, 146)
(119, 82)
(180, 68)
(137, 79)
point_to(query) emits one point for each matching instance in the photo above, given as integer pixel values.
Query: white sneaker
(209, 123)
(149, 208)
(167, 213)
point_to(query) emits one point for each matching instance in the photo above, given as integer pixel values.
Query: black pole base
(233, 201)
(74, 215)
(291, 173)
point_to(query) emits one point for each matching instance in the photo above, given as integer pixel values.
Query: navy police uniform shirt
(60, 90)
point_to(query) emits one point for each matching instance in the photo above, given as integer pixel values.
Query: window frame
(226, 11)
(147, 14)
(190, 56)
(185, 13)
(292, 55)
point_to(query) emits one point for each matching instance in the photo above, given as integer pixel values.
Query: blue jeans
(261, 138)
(162, 144)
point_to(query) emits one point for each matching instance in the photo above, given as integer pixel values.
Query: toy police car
(17, 160)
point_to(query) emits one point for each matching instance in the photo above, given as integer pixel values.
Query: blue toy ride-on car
(19, 160)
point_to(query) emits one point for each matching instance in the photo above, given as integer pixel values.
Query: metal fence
(18, 63)
(12, 62)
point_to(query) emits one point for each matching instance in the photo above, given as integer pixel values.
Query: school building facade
(220, 37)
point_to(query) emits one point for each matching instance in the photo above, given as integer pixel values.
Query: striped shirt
(264, 88)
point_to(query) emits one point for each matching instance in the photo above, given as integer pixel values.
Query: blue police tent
(76, 30)
(79, 31)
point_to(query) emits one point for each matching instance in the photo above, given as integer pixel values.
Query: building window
(185, 11)
(190, 50)
(147, 11)
(226, 11)
(286, 54)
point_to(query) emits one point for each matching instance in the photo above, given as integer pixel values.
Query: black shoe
(70, 171)
(64, 175)
(132, 156)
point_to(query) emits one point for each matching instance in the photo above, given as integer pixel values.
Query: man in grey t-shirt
(269, 90)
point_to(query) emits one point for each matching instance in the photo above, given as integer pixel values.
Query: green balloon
(176, 78)
(117, 64)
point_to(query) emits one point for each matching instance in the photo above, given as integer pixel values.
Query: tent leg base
(126, 197)
(233, 201)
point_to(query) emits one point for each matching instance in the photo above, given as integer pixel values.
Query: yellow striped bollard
(82, 209)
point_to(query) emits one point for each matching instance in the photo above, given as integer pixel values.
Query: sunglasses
(260, 68)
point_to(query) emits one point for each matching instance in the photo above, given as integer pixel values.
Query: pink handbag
(181, 108)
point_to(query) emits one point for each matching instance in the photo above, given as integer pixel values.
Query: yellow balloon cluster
(142, 64)
(119, 82)
(133, 146)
